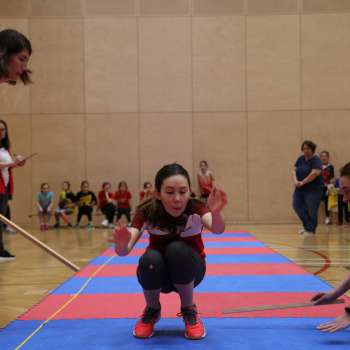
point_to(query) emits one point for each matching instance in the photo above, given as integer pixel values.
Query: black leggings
(343, 211)
(123, 211)
(84, 210)
(180, 264)
(109, 211)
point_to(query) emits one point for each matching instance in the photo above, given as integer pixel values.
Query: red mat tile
(209, 304)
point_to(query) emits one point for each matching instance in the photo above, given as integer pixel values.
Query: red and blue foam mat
(97, 308)
(222, 334)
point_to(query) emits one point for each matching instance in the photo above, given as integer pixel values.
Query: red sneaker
(194, 328)
(144, 327)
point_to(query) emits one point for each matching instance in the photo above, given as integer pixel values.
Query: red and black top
(123, 199)
(188, 228)
(102, 198)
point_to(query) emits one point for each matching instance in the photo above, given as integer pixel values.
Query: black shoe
(6, 256)
(69, 224)
(56, 225)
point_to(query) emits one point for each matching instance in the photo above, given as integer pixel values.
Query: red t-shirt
(102, 199)
(123, 199)
(191, 233)
(205, 183)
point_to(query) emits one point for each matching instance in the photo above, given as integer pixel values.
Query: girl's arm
(325, 298)
(125, 239)
(39, 206)
(311, 177)
(214, 221)
(294, 174)
(109, 199)
(51, 204)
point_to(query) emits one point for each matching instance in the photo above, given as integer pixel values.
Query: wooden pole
(39, 243)
(276, 307)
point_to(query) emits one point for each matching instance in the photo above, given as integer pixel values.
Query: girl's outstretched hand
(341, 322)
(217, 200)
(121, 238)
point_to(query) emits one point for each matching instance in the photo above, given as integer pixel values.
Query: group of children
(336, 209)
(113, 205)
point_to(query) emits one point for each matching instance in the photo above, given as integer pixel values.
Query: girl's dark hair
(203, 162)
(121, 183)
(85, 182)
(326, 153)
(345, 170)
(11, 43)
(44, 184)
(310, 145)
(170, 170)
(6, 141)
(153, 210)
(105, 184)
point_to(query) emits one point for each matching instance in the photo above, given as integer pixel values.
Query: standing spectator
(44, 204)
(309, 186)
(147, 191)
(15, 51)
(205, 180)
(328, 175)
(86, 200)
(106, 204)
(123, 197)
(66, 205)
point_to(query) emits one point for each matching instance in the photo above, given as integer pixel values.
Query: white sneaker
(111, 226)
(301, 231)
(327, 221)
(5, 256)
(104, 223)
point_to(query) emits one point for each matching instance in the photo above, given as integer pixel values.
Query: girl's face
(65, 186)
(324, 158)
(107, 187)
(148, 187)
(3, 131)
(17, 64)
(307, 151)
(85, 187)
(45, 188)
(174, 194)
(203, 167)
(345, 187)
(122, 188)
